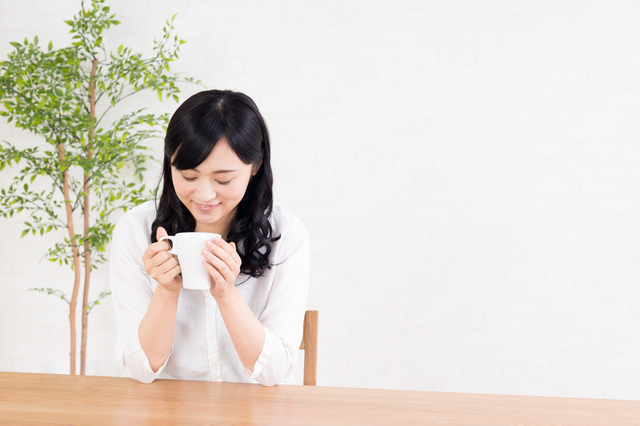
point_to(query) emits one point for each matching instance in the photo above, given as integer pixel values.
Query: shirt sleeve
(283, 315)
(131, 293)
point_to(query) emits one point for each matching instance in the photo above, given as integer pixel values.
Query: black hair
(194, 130)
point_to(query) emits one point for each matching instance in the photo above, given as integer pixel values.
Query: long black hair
(194, 130)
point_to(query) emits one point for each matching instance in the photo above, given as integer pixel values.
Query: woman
(216, 178)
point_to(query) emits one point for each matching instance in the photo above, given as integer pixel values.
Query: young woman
(216, 178)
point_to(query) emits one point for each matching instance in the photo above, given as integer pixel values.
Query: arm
(267, 345)
(246, 332)
(132, 296)
(283, 316)
(157, 328)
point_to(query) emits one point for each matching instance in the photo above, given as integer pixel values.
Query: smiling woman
(212, 191)
(216, 179)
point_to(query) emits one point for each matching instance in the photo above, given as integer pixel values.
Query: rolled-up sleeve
(131, 291)
(283, 315)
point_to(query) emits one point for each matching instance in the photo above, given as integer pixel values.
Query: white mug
(188, 247)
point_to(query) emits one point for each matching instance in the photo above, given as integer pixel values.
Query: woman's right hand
(162, 265)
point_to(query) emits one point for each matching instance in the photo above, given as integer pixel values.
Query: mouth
(206, 207)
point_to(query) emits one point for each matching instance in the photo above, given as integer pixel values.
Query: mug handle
(172, 250)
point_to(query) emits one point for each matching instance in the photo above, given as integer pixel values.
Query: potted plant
(91, 163)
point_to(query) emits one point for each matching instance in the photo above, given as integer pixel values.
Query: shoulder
(293, 235)
(286, 223)
(136, 222)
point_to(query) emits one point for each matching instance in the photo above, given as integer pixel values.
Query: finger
(231, 269)
(155, 270)
(161, 232)
(217, 263)
(235, 254)
(160, 258)
(166, 266)
(227, 247)
(221, 251)
(170, 275)
(217, 277)
(155, 248)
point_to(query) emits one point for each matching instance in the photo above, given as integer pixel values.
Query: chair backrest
(310, 346)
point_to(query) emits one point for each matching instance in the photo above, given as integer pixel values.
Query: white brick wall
(469, 173)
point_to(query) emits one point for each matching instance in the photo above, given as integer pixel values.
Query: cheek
(181, 187)
(233, 191)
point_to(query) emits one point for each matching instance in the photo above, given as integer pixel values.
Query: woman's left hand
(223, 264)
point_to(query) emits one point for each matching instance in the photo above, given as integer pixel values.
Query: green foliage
(63, 296)
(53, 291)
(97, 301)
(47, 92)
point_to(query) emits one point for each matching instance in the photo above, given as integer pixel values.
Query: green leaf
(25, 232)
(50, 46)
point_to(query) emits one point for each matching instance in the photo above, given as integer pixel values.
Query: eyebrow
(217, 171)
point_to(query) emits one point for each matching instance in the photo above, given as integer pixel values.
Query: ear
(256, 167)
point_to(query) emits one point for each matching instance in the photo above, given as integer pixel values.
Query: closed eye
(225, 183)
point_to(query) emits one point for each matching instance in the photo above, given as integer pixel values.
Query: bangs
(197, 136)
(190, 154)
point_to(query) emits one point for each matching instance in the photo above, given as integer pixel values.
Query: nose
(205, 192)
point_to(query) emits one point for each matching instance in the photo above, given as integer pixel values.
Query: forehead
(221, 157)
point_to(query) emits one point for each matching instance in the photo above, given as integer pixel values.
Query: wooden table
(46, 399)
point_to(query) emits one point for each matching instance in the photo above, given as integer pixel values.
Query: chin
(206, 219)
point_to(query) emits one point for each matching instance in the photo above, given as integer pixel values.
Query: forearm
(246, 331)
(158, 325)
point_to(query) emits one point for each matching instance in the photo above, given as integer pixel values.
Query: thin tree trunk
(87, 246)
(76, 262)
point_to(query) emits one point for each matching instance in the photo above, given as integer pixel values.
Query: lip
(206, 207)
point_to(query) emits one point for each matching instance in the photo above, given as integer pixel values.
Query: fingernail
(208, 243)
(217, 239)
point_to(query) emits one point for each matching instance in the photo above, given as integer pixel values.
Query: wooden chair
(310, 347)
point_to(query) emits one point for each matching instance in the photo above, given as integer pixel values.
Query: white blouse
(202, 347)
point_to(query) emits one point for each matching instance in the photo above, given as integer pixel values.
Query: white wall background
(469, 172)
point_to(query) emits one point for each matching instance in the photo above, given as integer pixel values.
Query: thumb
(161, 232)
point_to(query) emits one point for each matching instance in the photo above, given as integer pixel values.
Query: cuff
(262, 359)
(138, 367)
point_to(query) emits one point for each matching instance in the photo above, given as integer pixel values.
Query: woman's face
(213, 190)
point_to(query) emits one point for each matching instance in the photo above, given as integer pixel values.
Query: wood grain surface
(46, 399)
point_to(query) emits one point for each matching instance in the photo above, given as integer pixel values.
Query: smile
(206, 207)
